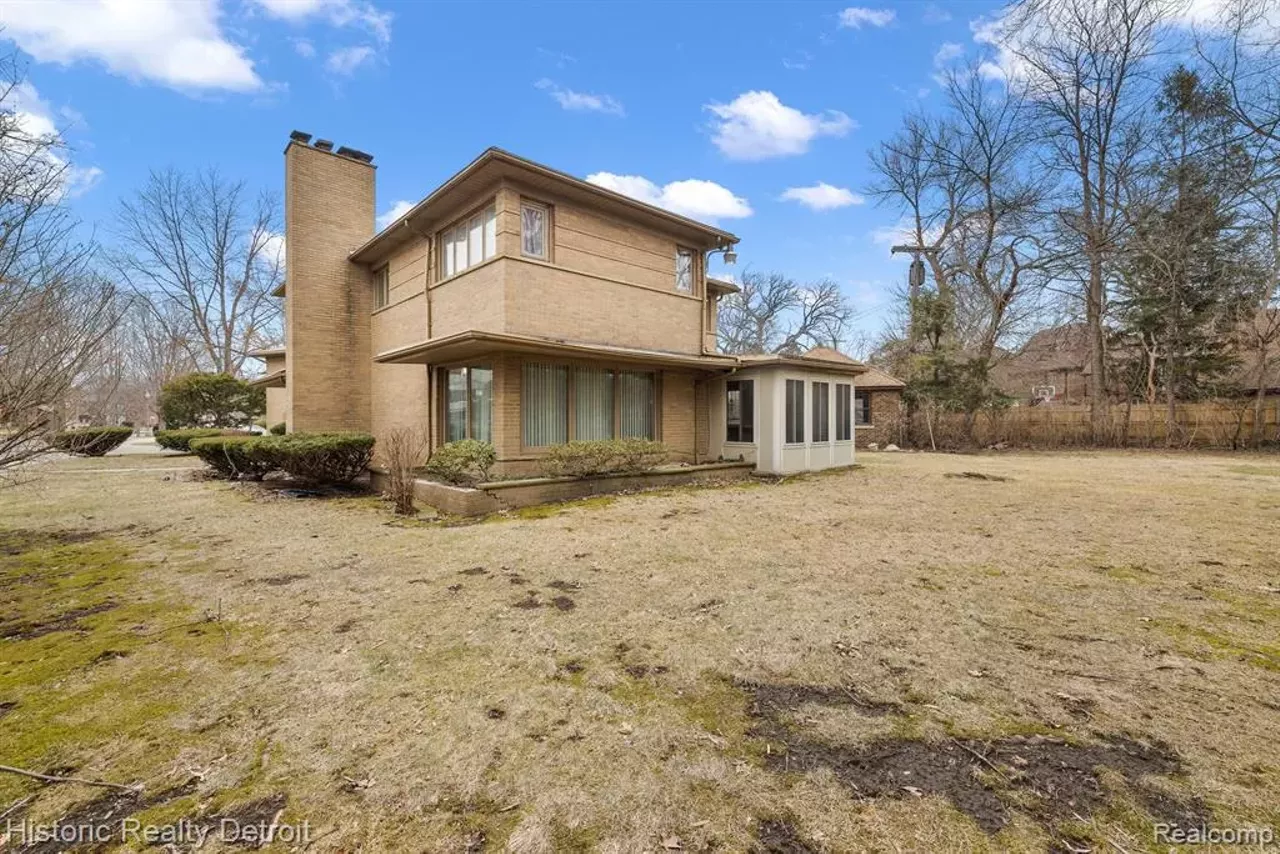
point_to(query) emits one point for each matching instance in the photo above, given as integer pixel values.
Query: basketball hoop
(1043, 393)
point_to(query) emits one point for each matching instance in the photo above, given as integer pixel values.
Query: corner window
(844, 413)
(684, 270)
(469, 242)
(740, 411)
(381, 287)
(862, 408)
(468, 404)
(533, 230)
(795, 412)
(822, 412)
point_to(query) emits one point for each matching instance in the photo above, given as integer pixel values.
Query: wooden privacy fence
(1212, 424)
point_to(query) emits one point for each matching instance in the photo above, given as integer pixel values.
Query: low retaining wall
(510, 494)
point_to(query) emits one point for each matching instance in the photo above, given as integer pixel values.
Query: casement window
(862, 408)
(469, 242)
(740, 411)
(685, 270)
(562, 404)
(533, 230)
(381, 287)
(822, 412)
(468, 404)
(795, 412)
(844, 412)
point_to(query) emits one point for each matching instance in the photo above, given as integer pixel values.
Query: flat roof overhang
(472, 344)
(275, 379)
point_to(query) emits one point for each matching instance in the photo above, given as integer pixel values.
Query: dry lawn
(891, 658)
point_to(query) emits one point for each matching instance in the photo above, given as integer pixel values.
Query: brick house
(524, 307)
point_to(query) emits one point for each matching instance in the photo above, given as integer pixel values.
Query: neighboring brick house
(524, 307)
(272, 380)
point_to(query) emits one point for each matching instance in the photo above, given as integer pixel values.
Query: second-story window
(533, 230)
(684, 270)
(471, 241)
(381, 287)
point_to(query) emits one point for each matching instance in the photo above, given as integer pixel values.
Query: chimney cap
(300, 136)
(355, 154)
(324, 144)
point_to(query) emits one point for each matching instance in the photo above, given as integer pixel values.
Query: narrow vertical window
(456, 405)
(475, 240)
(381, 287)
(844, 413)
(862, 408)
(740, 411)
(795, 412)
(533, 230)
(468, 404)
(684, 270)
(592, 404)
(822, 412)
(546, 405)
(469, 242)
(637, 395)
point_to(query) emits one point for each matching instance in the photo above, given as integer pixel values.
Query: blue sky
(756, 116)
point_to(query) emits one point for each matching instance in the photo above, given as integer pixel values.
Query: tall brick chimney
(328, 212)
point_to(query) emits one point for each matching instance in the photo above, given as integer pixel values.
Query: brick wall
(886, 420)
(329, 211)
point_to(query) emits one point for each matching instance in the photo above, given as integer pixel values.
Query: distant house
(526, 308)
(1052, 365)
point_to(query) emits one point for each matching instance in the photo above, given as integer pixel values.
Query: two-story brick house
(524, 307)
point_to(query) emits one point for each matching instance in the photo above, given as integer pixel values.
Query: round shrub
(464, 462)
(91, 441)
(606, 456)
(180, 440)
(321, 457)
(278, 429)
(213, 400)
(233, 456)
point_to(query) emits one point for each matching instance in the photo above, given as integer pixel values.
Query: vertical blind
(546, 405)
(636, 398)
(593, 402)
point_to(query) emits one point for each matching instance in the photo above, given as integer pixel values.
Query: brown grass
(676, 665)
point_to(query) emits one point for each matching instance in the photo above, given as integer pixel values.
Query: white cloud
(393, 213)
(346, 60)
(703, 200)
(271, 249)
(756, 126)
(947, 52)
(34, 121)
(177, 43)
(855, 17)
(338, 13)
(822, 197)
(305, 48)
(935, 14)
(901, 232)
(571, 100)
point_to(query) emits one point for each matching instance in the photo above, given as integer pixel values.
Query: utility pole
(915, 276)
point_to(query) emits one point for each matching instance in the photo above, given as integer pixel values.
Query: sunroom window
(469, 242)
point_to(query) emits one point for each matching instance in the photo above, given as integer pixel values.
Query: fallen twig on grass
(51, 778)
(19, 804)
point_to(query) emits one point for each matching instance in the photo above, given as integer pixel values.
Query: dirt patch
(770, 700)
(475, 570)
(7, 706)
(66, 621)
(260, 814)
(102, 815)
(775, 836)
(18, 542)
(280, 580)
(563, 603)
(108, 655)
(528, 603)
(565, 586)
(977, 475)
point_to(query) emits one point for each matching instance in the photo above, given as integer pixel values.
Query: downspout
(428, 269)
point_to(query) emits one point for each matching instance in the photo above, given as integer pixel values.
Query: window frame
(844, 413)
(793, 406)
(693, 254)
(443, 380)
(746, 425)
(858, 397)
(546, 229)
(571, 402)
(820, 409)
(382, 287)
(446, 246)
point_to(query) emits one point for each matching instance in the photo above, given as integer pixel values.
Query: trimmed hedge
(465, 462)
(607, 456)
(319, 457)
(232, 456)
(180, 440)
(91, 441)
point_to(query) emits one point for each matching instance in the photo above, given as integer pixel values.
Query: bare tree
(1085, 65)
(205, 258)
(54, 313)
(774, 314)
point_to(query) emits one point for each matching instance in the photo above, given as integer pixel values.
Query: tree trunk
(1099, 414)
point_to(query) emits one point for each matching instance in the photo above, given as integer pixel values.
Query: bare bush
(403, 449)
